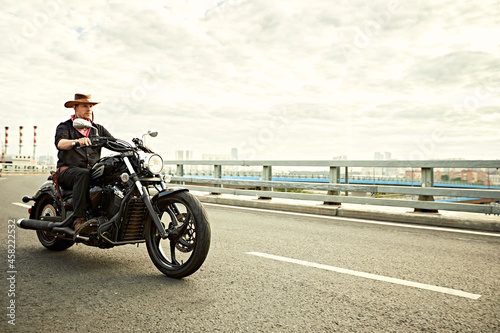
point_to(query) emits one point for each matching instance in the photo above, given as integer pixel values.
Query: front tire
(187, 247)
(51, 242)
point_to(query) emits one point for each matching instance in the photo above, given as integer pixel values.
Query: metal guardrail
(26, 168)
(425, 193)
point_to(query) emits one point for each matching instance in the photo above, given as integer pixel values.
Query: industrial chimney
(4, 151)
(6, 138)
(20, 140)
(34, 143)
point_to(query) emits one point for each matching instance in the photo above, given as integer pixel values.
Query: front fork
(145, 197)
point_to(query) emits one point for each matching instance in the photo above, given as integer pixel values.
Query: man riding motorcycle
(130, 202)
(73, 165)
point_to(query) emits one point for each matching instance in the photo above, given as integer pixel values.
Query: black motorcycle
(129, 204)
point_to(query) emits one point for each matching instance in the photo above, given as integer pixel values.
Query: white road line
(21, 205)
(394, 224)
(444, 290)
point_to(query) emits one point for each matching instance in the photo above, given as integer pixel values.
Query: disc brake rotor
(186, 241)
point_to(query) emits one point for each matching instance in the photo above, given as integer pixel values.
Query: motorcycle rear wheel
(51, 242)
(187, 247)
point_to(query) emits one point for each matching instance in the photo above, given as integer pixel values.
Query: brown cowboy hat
(80, 99)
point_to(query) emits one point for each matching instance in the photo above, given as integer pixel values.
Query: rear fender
(45, 189)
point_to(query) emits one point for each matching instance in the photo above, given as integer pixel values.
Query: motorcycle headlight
(154, 163)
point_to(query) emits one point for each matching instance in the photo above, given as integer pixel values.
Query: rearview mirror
(152, 132)
(82, 124)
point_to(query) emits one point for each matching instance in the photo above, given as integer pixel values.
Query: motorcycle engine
(115, 201)
(95, 198)
(106, 201)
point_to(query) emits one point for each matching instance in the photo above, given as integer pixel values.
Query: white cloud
(279, 79)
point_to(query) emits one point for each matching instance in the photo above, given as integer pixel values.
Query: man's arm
(62, 140)
(105, 132)
(66, 144)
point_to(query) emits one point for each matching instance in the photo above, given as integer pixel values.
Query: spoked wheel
(186, 221)
(48, 240)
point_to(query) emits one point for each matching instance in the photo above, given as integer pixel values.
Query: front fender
(166, 193)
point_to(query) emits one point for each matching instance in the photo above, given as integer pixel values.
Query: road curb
(432, 219)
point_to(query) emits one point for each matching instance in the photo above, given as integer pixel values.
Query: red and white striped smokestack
(6, 138)
(34, 143)
(20, 140)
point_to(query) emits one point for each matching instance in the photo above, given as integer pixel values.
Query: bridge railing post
(334, 179)
(346, 179)
(427, 181)
(180, 172)
(217, 175)
(267, 175)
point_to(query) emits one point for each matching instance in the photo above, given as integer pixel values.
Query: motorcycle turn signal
(125, 177)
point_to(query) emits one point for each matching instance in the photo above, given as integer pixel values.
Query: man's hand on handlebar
(99, 141)
(84, 142)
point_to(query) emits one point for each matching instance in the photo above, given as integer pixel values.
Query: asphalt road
(266, 272)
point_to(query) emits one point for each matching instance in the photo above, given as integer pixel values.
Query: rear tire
(48, 240)
(183, 254)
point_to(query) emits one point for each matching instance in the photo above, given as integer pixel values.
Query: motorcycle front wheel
(186, 248)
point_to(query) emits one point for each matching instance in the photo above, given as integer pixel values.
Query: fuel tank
(107, 169)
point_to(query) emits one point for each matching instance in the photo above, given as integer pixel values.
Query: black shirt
(83, 157)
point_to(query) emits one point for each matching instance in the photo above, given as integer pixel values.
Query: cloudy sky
(277, 79)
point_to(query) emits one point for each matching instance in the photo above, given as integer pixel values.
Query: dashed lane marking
(21, 205)
(443, 290)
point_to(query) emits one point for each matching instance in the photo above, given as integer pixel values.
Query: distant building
(216, 157)
(234, 153)
(381, 172)
(220, 157)
(377, 156)
(494, 179)
(469, 176)
(182, 155)
(179, 155)
(340, 158)
(22, 160)
(46, 160)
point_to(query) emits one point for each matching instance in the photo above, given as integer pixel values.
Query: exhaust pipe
(44, 225)
(35, 224)
(47, 226)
